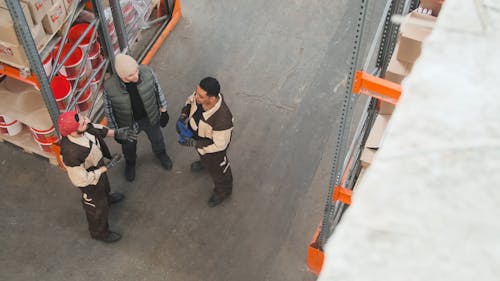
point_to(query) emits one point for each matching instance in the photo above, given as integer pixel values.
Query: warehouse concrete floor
(282, 66)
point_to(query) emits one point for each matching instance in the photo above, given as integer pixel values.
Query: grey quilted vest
(120, 100)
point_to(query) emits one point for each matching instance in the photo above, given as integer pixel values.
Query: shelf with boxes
(44, 19)
(414, 29)
(74, 63)
(398, 50)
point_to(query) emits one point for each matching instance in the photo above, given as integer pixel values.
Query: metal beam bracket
(376, 87)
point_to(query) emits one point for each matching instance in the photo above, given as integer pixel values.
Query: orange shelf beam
(342, 194)
(315, 256)
(176, 15)
(19, 74)
(376, 87)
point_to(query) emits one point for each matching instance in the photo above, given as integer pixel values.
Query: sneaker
(130, 172)
(196, 166)
(216, 199)
(110, 238)
(166, 162)
(115, 197)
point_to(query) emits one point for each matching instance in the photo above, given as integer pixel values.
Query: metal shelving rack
(346, 161)
(36, 76)
(167, 18)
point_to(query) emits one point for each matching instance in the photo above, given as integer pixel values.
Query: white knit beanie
(125, 65)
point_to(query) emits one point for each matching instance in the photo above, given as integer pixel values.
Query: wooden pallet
(25, 141)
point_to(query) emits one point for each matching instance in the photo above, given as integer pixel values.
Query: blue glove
(185, 134)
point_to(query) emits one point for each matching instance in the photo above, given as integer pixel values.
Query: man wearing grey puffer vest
(133, 98)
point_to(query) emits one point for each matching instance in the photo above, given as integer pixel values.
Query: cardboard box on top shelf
(54, 18)
(434, 5)
(38, 9)
(7, 31)
(376, 136)
(13, 53)
(386, 108)
(413, 32)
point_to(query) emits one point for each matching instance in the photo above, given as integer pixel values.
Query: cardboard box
(377, 132)
(367, 156)
(397, 70)
(412, 33)
(38, 9)
(7, 31)
(13, 53)
(67, 4)
(386, 108)
(54, 18)
(434, 5)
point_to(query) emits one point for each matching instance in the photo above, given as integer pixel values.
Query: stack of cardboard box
(44, 17)
(412, 33)
(416, 27)
(375, 139)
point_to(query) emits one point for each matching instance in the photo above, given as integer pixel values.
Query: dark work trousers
(217, 165)
(155, 136)
(96, 206)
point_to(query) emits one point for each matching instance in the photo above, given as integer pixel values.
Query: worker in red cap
(82, 151)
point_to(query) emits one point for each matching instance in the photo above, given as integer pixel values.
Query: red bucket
(47, 64)
(81, 83)
(95, 57)
(45, 146)
(127, 8)
(5, 119)
(44, 135)
(111, 27)
(61, 88)
(73, 64)
(85, 101)
(12, 128)
(76, 31)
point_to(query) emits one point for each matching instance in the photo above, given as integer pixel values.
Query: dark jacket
(117, 106)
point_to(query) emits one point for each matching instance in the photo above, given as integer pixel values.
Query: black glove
(126, 134)
(164, 119)
(202, 142)
(114, 160)
(188, 142)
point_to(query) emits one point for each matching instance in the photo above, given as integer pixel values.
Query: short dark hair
(211, 86)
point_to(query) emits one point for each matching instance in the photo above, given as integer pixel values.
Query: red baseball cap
(68, 122)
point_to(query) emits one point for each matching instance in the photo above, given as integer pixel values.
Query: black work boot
(217, 199)
(115, 197)
(196, 166)
(166, 162)
(130, 171)
(110, 238)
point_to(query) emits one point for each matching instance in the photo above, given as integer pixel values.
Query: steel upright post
(24, 36)
(121, 33)
(344, 127)
(104, 33)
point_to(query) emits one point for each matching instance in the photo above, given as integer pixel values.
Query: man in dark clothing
(211, 122)
(82, 151)
(132, 96)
